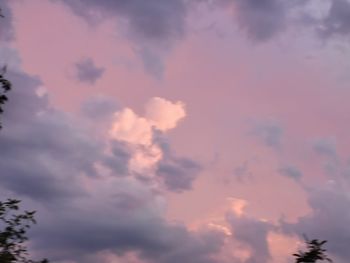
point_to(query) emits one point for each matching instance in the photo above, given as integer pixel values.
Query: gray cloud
(48, 157)
(37, 143)
(153, 19)
(178, 174)
(325, 147)
(118, 232)
(152, 62)
(264, 19)
(253, 233)
(153, 25)
(290, 171)
(337, 22)
(260, 19)
(99, 107)
(88, 72)
(6, 26)
(328, 220)
(269, 132)
(242, 172)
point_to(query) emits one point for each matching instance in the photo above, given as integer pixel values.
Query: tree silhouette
(314, 252)
(5, 86)
(13, 229)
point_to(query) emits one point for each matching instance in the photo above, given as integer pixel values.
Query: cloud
(152, 156)
(152, 25)
(139, 132)
(260, 19)
(178, 173)
(328, 219)
(269, 132)
(122, 231)
(88, 72)
(164, 114)
(290, 171)
(131, 128)
(152, 62)
(89, 200)
(252, 233)
(6, 28)
(242, 172)
(337, 22)
(325, 147)
(99, 107)
(37, 142)
(152, 20)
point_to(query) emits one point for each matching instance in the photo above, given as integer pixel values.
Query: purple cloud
(88, 72)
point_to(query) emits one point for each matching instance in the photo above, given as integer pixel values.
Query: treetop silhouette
(314, 252)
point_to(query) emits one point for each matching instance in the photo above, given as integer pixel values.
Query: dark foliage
(314, 252)
(13, 228)
(5, 86)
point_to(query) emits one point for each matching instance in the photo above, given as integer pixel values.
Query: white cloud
(138, 131)
(164, 114)
(131, 128)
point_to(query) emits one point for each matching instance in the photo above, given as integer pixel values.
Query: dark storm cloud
(152, 19)
(88, 72)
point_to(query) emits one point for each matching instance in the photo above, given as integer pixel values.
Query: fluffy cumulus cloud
(164, 114)
(151, 156)
(88, 72)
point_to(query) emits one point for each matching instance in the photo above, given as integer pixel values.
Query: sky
(167, 131)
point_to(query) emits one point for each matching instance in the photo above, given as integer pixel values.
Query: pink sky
(259, 112)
